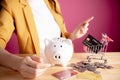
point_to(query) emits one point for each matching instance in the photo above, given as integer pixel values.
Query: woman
(32, 21)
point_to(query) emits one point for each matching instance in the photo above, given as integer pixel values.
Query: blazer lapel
(58, 17)
(30, 21)
(31, 25)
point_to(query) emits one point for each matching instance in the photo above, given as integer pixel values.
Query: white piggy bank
(58, 51)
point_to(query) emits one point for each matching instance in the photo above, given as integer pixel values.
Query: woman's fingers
(85, 23)
(37, 58)
(29, 72)
(43, 65)
(84, 26)
(28, 61)
(89, 19)
(30, 68)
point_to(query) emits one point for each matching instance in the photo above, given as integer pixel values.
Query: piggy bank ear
(68, 41)
(47, 41)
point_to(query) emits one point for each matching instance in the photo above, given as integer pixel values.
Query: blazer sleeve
(6, 23)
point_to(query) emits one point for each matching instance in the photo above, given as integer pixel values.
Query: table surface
(107, 74)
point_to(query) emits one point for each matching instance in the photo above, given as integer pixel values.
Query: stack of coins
(86, 66)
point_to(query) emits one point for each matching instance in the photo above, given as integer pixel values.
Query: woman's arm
(80, 30)
(9, 60)
(29, 66)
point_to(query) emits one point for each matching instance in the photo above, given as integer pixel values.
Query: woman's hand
(81, 29)
(32, 66)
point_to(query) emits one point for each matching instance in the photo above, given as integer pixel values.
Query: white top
(45, 23)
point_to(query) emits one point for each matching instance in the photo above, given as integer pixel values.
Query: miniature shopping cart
(97, 53)
(96, 48)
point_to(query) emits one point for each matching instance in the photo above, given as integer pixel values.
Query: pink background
(107, 20)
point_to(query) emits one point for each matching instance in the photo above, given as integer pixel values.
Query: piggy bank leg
(52, 64)
(64, 64)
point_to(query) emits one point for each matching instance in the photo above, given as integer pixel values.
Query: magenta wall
(107, 20)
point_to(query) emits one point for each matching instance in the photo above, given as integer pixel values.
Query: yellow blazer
(16, 16)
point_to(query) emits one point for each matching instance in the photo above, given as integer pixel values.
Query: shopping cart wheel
(89, 60)
(88, 57)
(101, 57)
(105, 61)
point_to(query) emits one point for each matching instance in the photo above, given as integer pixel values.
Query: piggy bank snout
(57, 57)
